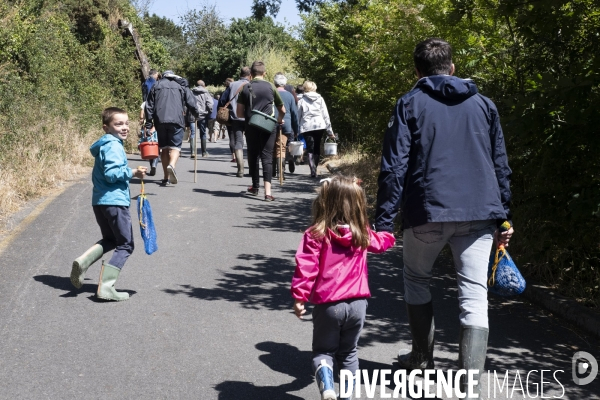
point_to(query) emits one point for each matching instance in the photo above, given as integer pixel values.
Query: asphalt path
(210, 312)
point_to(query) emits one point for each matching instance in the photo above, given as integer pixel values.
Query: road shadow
(218, 193)
(288, 215)
(63, 283)
(262, 282)
(279, 357)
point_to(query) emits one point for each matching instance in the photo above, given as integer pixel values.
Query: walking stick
(280, 163)
(195, 154)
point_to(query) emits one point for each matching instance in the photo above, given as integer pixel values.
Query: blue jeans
(192, 130)
(471, 244)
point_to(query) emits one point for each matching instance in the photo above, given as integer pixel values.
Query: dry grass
(49, 154)
(361, 165)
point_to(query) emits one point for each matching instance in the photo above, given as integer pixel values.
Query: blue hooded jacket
(444, 157)
(111, 174)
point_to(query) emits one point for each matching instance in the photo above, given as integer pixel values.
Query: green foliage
(214, 51)
(170, 36)
(67, 59)
(539, 61)
(275, 60)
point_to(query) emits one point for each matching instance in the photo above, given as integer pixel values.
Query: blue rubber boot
(324, 377)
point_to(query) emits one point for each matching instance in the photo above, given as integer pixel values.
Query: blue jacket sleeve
(114, 163)
(500, 158)
(294, 117)
(392, 175)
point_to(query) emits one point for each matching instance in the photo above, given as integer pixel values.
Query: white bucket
(296, 148)
(330, 148)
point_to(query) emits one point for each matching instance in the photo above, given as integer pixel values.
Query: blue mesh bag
(147, 228)
(504, 278)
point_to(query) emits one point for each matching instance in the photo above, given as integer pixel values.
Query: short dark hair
(109, 113)
(228, 81)
(258, 68)
(153, 72)
(244, 72)
(433, 57)
(300, 89)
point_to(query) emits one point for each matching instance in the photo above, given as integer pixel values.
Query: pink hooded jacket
(331, 269)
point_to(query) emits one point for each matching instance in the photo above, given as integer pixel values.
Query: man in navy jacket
(444, 164)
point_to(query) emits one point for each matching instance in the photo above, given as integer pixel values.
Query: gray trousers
(117, 232)
(336, 329)
(236, 135)
(471, 244)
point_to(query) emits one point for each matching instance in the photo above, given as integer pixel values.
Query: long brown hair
(341, 201)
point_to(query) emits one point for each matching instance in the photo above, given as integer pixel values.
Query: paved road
(209, 315)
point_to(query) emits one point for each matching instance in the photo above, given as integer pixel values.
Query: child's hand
(299, 308)
(140, 172)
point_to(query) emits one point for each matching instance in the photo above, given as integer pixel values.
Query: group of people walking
(170, 105)
(444, 164)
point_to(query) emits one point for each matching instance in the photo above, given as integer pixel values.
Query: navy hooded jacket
(444, 157)
(168, 100)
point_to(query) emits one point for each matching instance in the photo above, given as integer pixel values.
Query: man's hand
(502, 238)
(299, 308)
(140, 172)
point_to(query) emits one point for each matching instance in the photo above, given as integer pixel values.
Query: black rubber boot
(203, 145)
(471, 354)
(311, 165)
(275, 167)
(422, 328)
(239, 159)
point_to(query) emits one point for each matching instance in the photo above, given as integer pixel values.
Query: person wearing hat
(165, 109)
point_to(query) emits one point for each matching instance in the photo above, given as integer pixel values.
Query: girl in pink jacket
(331, 273)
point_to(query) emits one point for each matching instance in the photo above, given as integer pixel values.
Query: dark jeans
(260, 144)
(236, 135)
(313, 141)
(336, 329)
(117, 232)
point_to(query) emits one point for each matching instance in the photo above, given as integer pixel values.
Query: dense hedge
(67, 58)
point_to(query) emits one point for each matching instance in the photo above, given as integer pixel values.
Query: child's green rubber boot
(106, 285)
(83, 262)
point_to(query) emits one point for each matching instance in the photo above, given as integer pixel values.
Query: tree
(142, 7)
(170, 35)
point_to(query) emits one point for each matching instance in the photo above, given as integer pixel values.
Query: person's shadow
(280, 357)
(64, 283)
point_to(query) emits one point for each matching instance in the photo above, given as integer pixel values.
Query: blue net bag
(504, 278)
(147, 228)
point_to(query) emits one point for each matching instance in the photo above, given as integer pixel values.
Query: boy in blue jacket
(110, 201)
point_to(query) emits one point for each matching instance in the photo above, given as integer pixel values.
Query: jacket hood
(199, 89)
(312, 96)
(95, 148)
(447, 87)
(344, 238)
(182, 81)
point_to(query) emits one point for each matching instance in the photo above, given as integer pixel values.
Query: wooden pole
(195, 152)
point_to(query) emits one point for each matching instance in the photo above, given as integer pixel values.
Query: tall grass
(276, 60)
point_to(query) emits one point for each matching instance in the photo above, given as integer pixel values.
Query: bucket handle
(330, 138)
